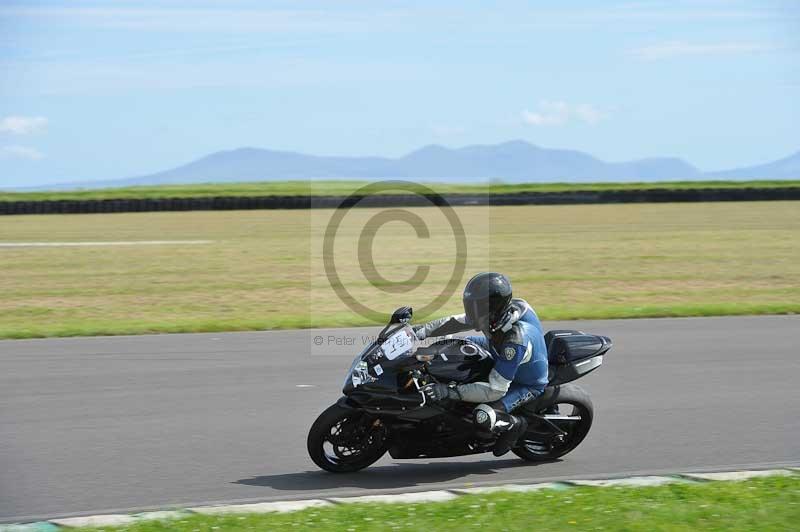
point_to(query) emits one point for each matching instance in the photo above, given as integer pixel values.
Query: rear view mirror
(402, 315)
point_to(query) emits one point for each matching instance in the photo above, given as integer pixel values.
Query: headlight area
(360, 374)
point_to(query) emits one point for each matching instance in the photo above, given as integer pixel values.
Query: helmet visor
(478, 312)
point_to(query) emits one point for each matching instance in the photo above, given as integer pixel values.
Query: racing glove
(436, 392)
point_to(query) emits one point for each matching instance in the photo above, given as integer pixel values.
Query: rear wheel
(344, 440)
(557, 426)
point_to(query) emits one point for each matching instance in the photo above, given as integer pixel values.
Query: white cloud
(20, 152)
(558, 113)
(22, 125)
(680, 48)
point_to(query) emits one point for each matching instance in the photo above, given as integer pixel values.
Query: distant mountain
(786, 168)
(510, 162)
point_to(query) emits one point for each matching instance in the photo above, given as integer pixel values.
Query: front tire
(548, 439)
(345, 440)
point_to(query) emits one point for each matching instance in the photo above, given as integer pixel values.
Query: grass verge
(771, 503)
(263, 269)
(184, 326)
(340, 188)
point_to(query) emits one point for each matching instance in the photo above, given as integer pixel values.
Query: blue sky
(112, 89)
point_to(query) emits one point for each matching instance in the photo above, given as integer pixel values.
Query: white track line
(86, 244)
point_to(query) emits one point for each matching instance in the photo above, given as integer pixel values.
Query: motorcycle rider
(513, 336)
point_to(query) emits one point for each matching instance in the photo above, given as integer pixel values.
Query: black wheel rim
(555, 432)
(350, 439)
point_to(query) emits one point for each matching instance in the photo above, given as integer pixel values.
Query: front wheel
(344, 440)
(556, 426)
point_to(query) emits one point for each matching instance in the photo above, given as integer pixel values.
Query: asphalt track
(97, 425)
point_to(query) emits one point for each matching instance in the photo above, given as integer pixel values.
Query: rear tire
(542, 442)
(344, 440)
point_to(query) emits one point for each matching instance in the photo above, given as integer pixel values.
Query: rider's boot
(511, 430)
(508, 428)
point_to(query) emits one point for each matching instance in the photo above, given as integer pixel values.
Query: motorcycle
(383, 409)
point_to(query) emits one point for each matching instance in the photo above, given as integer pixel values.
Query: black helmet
(486, 300)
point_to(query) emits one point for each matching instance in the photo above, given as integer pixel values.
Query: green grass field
(339, 188)
(771, 503)
(262, 269)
